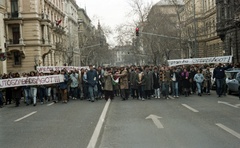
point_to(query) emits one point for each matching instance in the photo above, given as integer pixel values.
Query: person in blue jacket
(199, 78)
(92, 79)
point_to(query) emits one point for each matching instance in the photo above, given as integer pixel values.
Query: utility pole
(195, 30)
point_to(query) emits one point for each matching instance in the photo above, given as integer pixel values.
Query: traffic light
(137, 31)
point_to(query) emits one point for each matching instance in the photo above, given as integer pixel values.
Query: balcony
(45, 16)
(13, 41)
(12, 15)
(58, 28)
(13, 18)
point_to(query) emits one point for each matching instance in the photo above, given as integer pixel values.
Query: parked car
(232, 80)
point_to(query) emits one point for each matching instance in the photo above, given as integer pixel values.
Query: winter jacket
(199, 78)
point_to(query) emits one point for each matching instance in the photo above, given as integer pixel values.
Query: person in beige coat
(124, 83)
(108, 86)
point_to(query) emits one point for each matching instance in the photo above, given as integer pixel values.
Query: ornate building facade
(198, 26)
(228, 26)
(32, 29)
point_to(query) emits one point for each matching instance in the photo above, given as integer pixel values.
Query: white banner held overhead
(25, 81)
(207, 60)
(48, 69)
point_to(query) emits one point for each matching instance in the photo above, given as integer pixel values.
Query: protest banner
(207, 60)
(48, 69)
(28, 81)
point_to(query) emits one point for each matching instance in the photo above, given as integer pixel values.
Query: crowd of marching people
(136, 82)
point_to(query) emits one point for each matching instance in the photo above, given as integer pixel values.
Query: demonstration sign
(48, 69)
(25, 81)
(207, 60)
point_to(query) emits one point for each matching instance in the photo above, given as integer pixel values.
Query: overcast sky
(108, 12)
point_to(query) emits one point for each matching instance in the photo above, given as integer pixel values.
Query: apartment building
(33, 27)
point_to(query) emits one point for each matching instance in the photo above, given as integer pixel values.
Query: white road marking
(226, 103)
(238, 105)
(50, 104)
(25, 116)
(93, 141)
(228, 130)
(155, 120)
(190, 108)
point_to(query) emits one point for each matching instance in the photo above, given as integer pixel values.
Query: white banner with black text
(207, 60)
(48, 69)
(26, 81)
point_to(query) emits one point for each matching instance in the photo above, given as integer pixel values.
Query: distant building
(124, 55)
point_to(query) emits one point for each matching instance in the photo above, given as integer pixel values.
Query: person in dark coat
(148, 75)
(193, 84)
(133, 83)
(17, 91)
(186, 82)
(219, 75)
(8, 90)
(92, 79)
(63, 87)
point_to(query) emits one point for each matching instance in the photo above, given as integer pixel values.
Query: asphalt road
(57, 126)
(187, 122)
(127, 127)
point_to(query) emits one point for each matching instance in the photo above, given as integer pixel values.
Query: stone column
(45, 32)
(20, 8)
(7, 36)
(21, 34)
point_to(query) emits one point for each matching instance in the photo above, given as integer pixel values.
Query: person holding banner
(63, 87)
(123, 83)
(33, 89)
(219, 75)
(17, 91)
(26, 90)
(1, 95)
(8, 90)
(108, 86)
(1, 98)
